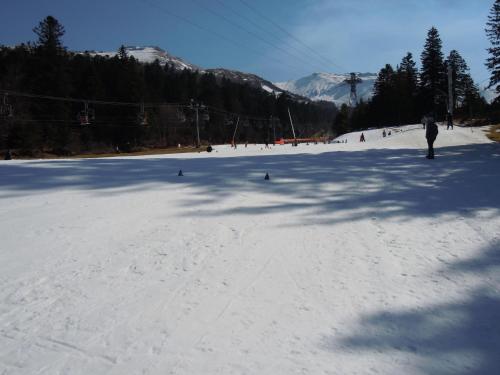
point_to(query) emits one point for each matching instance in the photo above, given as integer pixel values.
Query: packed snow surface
(354, 258)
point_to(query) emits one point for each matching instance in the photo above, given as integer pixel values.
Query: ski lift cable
(83, 101)
(283, 30)
(235, 115)
(217, 34)
(255, 35)
(270, 33)
(140, 105)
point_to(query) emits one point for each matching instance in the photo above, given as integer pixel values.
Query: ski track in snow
(353, 259)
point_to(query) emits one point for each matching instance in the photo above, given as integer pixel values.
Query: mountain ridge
(149, 54)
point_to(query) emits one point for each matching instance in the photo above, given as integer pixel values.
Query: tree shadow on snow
(459, 337)
(382, 182)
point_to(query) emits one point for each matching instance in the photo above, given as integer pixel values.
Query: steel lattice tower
(353, 81)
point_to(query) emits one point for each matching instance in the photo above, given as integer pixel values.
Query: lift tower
(353, 81)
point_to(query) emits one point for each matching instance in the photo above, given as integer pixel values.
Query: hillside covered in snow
(354, 258)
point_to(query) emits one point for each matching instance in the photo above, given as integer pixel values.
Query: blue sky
(351, 35)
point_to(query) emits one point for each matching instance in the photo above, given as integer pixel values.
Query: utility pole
(450, 90)
(235, 129)
(291, 123)
(196, 107)
(197, 129)
(274, 128)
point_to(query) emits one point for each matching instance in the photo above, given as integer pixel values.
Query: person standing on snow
(449, 120)
(362, 138)
(431, 133)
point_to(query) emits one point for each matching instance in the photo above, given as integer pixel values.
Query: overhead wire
(115, 103)
(319, 61)
(253, 34)
(215, 33)
(283, 30)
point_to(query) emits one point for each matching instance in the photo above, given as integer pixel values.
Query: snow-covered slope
(354, 258)
(330, 87)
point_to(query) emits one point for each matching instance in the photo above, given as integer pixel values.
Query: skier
(449, 120)
(384, 133)
(431, 133)
(209, 148)
(424, 121)
(362, 138)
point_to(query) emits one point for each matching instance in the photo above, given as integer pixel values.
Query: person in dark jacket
(362, 138)
(431, 133)
(449, 120)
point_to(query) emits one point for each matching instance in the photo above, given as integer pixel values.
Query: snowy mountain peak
(330, 86)
(150, 54)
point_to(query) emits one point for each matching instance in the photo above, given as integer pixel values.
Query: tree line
(31, 125)
(404, 94)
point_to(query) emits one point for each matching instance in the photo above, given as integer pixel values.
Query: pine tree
(433, 74)
(384, 97)
(462, 83)
(385, 81)
(122, 53)
(48, 74)
(493, 33)
(50, 32)
(406, 89)
(341, 122)
(408, 73)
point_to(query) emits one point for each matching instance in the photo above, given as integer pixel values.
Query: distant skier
(384, 134)
(362, 138)
(449, 120)
(431, 133)
(424, 121)
(209, 148)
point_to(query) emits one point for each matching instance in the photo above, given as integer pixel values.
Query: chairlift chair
(181, 117)
(83, 116)
(143, 118)
(6, 109)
